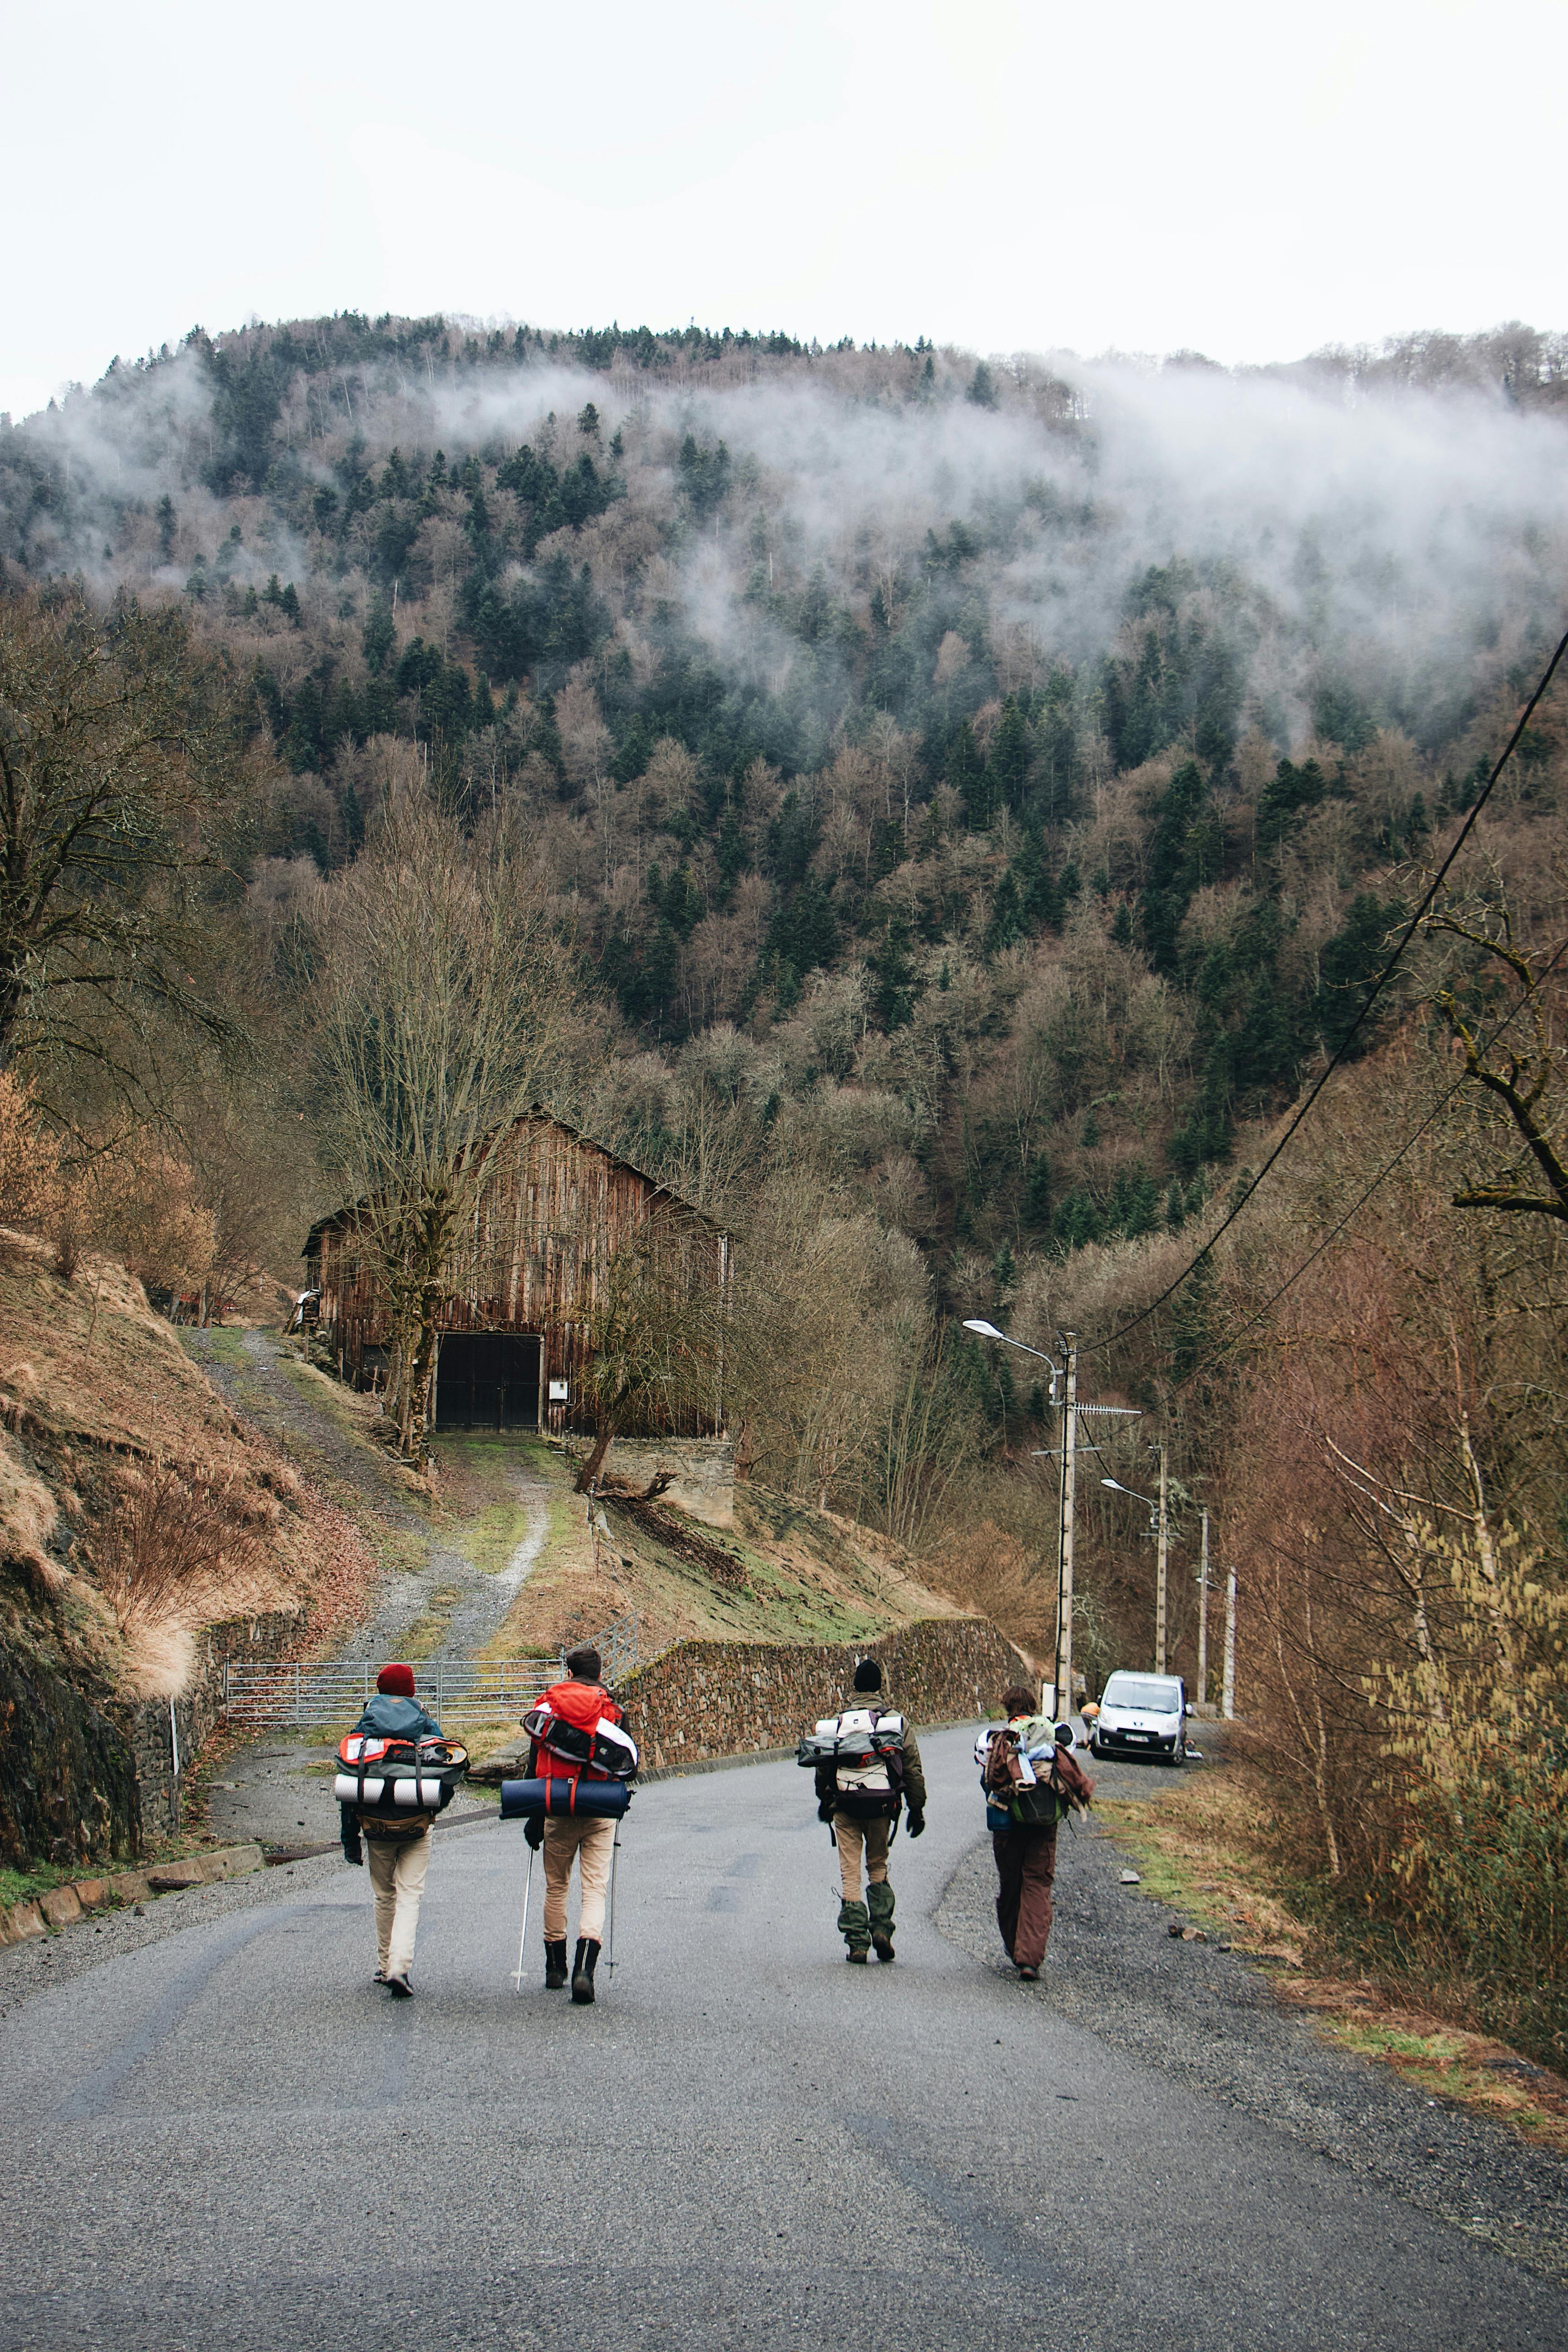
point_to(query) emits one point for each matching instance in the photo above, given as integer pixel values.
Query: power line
(1383, 1173)
(1385, 976)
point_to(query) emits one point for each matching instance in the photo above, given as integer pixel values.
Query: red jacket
(585, 1705)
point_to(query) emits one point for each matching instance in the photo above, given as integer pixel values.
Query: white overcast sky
(1247, 180)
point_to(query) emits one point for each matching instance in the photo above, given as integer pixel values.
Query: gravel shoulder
(1211, 2021)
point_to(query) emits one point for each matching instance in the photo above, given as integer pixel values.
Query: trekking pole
(522, 1940)
(610, 1944)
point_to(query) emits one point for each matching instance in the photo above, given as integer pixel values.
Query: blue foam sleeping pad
(521, 1800)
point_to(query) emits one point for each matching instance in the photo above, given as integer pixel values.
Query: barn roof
(537, 1117)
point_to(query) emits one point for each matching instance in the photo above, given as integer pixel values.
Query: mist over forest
(862, 700)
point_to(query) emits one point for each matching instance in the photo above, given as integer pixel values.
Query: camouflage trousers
(860, 1918)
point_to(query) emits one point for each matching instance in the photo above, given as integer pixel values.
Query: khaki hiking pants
(855, 1839)
(397, 1867)
(592, 1842)
(859, 1921)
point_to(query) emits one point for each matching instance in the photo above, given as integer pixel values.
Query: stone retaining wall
(699, 1701)
(67, 1775)
(701, 1470)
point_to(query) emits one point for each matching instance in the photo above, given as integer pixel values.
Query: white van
(1142, 1715)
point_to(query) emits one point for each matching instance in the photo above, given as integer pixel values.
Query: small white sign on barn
(558, 1391)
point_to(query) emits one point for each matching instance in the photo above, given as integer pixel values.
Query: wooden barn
(554, 1207)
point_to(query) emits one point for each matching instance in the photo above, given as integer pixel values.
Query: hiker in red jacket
(583, 1702)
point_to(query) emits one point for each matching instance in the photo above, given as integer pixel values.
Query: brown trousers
(1025, 1867)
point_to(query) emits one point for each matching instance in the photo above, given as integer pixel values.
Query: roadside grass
(21, 1886)
(228, 1345)
(1466, 2070)
(1202, 1849)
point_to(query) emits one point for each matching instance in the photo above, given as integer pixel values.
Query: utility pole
(1164, 1530)
(1228, 1686)
(1204, 1616)
(1062, 1705)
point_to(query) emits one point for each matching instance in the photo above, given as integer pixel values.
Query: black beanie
(868, 1675)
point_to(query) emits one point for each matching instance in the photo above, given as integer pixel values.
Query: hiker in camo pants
(865, 1922)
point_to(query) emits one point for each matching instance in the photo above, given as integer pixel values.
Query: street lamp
(1161, 1527)
(1062, 1657)
(1061, 1667)
(989, 1332)
(1117, 1486)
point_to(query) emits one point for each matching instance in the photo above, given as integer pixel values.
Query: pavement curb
(61, 1907)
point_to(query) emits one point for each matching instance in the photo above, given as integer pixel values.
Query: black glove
(533, 1831)
(916, 1822)
(827, 1810)
(353, 1851)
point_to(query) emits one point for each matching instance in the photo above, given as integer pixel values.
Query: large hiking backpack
(1033, 1786)
(395, 1777)
(583, 1741)
(865, 1748)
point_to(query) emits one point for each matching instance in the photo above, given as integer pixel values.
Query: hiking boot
(399, 1988)
(858, 1954)
(879, 1906)
(555, 1966)
(1027, 1974)
(582, 1968)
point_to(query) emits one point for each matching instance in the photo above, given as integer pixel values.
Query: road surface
(229, 2137)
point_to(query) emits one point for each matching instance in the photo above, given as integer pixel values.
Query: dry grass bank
(134, 1506)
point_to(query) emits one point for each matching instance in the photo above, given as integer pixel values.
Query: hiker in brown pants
(1025, 1871)
(1026, 1855)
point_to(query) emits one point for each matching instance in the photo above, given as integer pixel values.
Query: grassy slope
(785, 1573)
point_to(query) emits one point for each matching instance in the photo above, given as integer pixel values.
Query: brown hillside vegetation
(134, 1507)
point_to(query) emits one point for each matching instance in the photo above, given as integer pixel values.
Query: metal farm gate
(279, 1690)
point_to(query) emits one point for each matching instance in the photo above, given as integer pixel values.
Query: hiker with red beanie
(582, 1703)
(400, 1847)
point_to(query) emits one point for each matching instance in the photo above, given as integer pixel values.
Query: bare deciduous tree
(121, 774)
(655, 1325)
(445, 993)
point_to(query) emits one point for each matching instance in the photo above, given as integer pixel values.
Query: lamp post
(1159, 1528)
(1204, 1617)
(985, 1331)
(1061, 1669)
(1227, 1687)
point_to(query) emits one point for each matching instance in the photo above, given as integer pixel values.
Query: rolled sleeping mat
(590, 1800)
(428, 1793)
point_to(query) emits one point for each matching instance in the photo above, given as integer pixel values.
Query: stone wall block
(700, 1701)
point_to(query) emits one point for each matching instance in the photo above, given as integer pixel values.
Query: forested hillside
(1035, 752)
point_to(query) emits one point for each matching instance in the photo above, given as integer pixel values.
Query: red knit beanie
(397, 1682)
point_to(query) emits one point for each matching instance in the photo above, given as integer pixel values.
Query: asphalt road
(226, 2137)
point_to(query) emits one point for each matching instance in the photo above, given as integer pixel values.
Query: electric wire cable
(1414, 1137)
(1385, 976)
